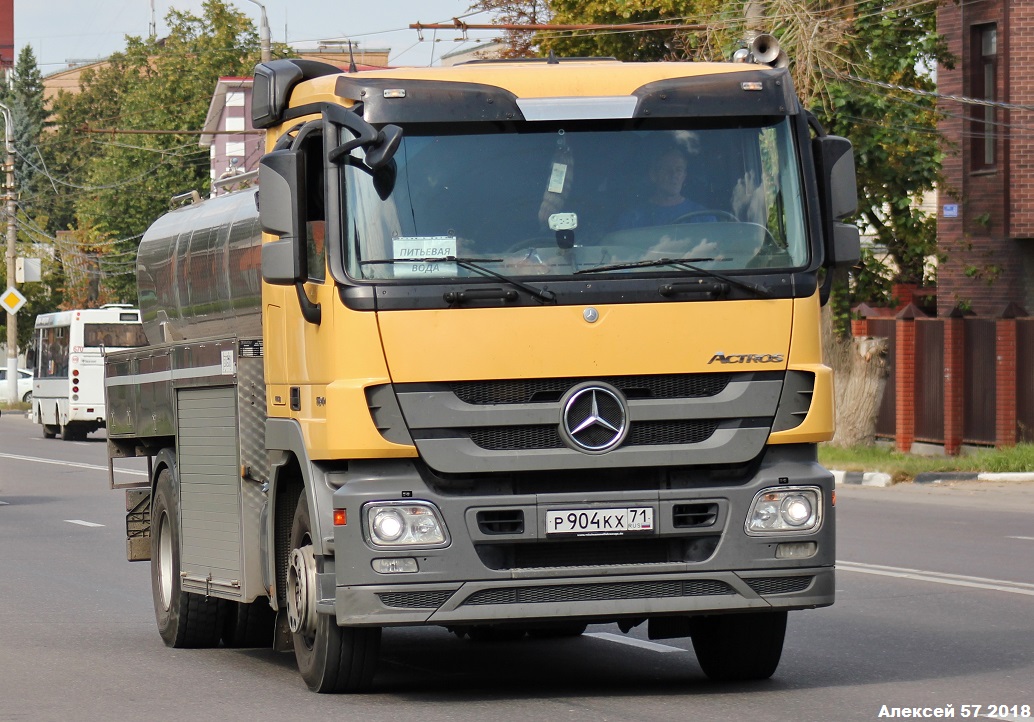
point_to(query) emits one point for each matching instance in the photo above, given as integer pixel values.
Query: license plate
(600, 521)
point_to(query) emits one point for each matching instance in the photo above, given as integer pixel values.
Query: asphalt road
(935, 607)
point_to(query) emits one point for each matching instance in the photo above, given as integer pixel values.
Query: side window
(53, 353)
(984, 81)
(316, 249)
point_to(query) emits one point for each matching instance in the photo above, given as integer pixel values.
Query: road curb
(862, 478)
(936, 477)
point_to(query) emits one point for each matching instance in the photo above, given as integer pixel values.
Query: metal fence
(929, 382)
(978, 386)
(980, 368)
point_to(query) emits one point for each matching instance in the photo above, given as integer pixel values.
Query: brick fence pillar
(1005, 382)
(954, 383)
(905, 377)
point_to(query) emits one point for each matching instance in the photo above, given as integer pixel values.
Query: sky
(64, 31)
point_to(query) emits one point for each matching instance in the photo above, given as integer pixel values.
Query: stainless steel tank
(199, 271)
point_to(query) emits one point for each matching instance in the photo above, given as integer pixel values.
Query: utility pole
(12, 236)
(263, 33)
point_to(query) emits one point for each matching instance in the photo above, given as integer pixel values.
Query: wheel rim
(165, 560)
(301, 592)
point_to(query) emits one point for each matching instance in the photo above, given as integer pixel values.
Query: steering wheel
(530, 243)
(712, 213)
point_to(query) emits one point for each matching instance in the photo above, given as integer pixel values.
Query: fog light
(409, 524)
(405, 565)
(785, 509)
(796, 550)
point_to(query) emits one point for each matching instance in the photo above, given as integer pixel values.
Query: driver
(663, 203)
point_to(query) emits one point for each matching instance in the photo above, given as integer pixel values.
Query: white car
(24, 385)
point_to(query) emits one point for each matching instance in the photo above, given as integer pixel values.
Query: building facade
(985, 224)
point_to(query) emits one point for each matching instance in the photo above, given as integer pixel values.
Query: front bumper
(486, 575)
(602, 598)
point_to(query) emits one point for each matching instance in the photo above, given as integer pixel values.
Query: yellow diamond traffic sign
(12, 300)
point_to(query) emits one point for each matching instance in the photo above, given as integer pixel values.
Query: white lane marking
(1023, 538)
(80, 522)
(955, 580)
(16, 457)
(633, 642)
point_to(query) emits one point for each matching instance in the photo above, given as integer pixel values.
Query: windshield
(556, 201)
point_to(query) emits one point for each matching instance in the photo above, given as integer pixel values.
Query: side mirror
(846, 246)
(838, 191)
(281, 213)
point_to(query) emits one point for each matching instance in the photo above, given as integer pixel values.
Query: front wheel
(330, 658)
(184, 619)
(739, 647)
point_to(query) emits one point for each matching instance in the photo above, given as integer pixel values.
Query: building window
(233, 123)
(984, 84)
(234, 149)
(234, 99)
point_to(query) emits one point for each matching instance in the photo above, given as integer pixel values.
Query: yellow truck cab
(506, 347)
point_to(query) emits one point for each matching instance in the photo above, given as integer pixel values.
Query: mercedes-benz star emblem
(595, 419)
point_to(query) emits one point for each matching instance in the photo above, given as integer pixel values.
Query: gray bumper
(601, 598)
(486, 576)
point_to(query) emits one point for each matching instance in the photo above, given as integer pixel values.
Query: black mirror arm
(311, 312)
(379, 144)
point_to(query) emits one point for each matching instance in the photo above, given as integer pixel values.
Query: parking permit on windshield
(557, 178)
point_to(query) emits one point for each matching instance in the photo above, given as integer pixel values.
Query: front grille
(516, 438)
(530, 391)
(415, 600)
(557, 593)
(501, 521)
(544, 436)
(688, 516)
(599, 552)
(779, 585)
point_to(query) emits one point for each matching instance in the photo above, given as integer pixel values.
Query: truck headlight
(404, 524)
(785, 509)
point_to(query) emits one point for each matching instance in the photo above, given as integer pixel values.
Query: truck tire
(185, 620)
(249, 625)
(330, 658)
(739, 647)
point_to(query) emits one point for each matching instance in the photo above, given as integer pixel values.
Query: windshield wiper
(681, 263)
(473, 264)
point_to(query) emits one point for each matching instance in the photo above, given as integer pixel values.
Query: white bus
(68, 393)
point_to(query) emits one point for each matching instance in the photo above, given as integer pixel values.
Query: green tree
(623, 45)
(518, 44)
(127, 180)
(23, 95)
